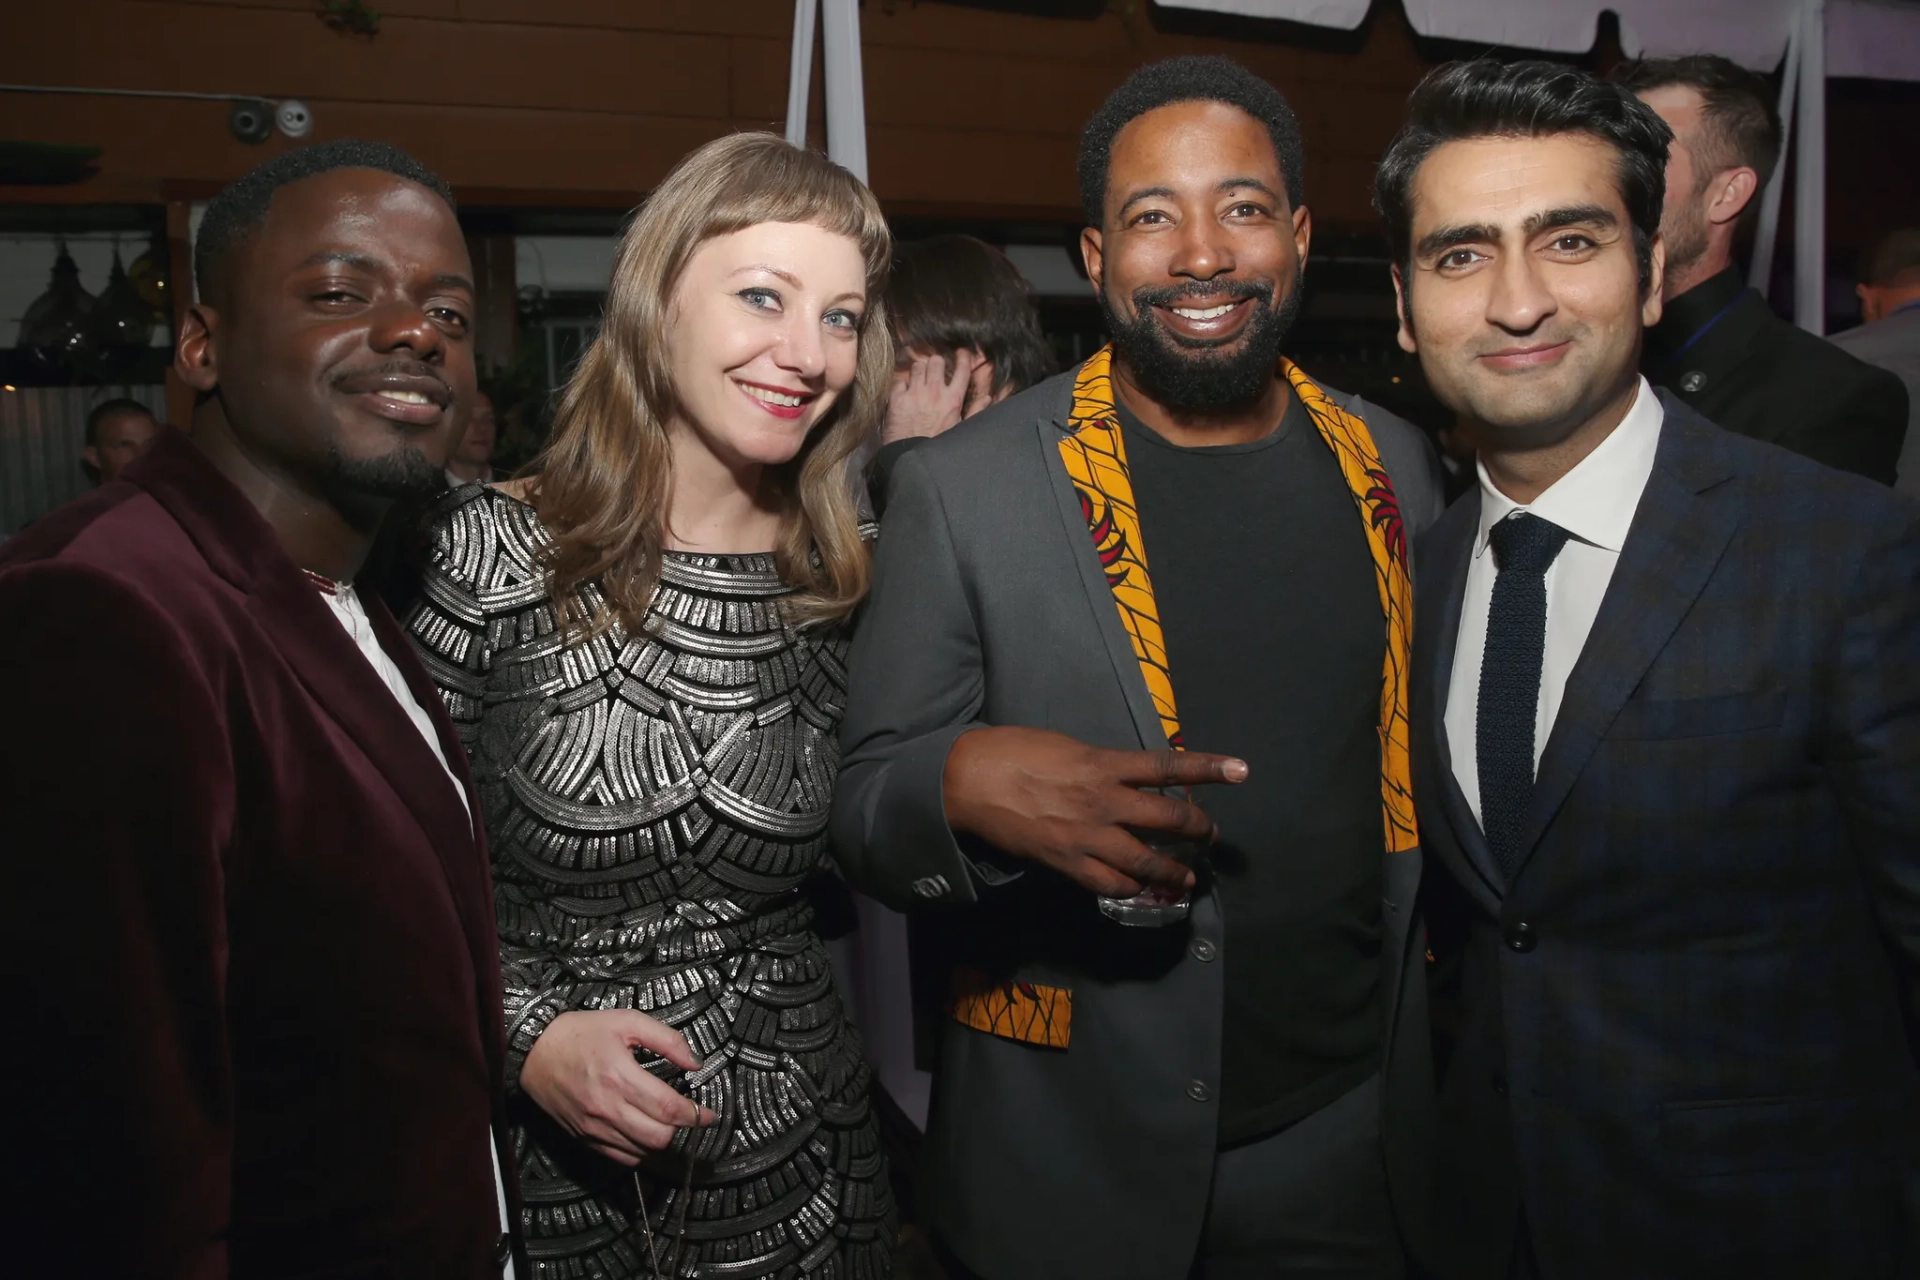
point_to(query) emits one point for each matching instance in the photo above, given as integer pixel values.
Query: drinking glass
(1157, 904)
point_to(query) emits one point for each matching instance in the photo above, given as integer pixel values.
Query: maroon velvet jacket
(250, 956)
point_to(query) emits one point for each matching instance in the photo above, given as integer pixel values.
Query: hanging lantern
(54, 329)
(148, 272)
(121, 320)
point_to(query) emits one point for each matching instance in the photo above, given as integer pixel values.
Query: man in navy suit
(1666, 721)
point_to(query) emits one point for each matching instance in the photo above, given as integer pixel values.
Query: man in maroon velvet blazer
(254, 998)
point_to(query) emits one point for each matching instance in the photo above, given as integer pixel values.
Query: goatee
(1203, 375)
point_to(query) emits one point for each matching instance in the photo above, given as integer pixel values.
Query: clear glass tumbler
(1157, 905)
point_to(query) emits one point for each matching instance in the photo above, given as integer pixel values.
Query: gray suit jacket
(1894, 345)
(990, 607)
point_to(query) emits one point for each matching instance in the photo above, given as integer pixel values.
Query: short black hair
(1485, 98)
(1196, 78)
(241, 207)
(1740, 124)
(1893, 258)
(97, 416)
(952, 292)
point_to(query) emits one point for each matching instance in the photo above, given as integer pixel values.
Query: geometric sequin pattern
(653, 804)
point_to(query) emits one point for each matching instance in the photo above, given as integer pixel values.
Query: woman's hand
(582, 1073)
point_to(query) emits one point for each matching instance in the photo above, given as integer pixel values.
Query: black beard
(361, 489)
(1208, 375)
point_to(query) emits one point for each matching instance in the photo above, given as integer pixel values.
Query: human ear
(1403, 314)
(1093, 255)
(1650, 303)
(1302, 232)
(1737, 188)
(194, 358)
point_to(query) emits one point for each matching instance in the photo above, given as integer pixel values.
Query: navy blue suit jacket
(1682, 1047)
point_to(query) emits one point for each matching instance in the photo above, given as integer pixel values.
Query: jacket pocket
(1758, 1135)
(1644, 718)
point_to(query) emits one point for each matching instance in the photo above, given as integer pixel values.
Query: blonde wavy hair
(602, 484)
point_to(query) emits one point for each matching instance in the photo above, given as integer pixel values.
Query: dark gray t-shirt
(1275, 638)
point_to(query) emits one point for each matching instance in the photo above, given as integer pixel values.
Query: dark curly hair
(1197, 78)
(1484, 98)
(241, 207)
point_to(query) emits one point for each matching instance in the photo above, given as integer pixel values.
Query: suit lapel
(1093, 578)
(242, 548)
(1680, 530)
(1436, 640)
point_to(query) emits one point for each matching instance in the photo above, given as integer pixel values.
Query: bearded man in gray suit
(1183, 542)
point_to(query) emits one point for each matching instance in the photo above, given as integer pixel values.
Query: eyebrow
(788, 276)
(1440, 239)
(794, 280)
(362, 262)
(1229, 184)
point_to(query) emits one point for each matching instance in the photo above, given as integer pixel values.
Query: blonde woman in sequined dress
(642, 644)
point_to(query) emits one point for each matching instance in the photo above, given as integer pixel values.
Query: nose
(404, 326)
(801, 350)
(1202, 250)
(1519, 299)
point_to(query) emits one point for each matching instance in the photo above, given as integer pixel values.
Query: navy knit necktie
(1523, 547)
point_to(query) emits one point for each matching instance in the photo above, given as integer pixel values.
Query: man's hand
(582, 1072)
(934, 392)
(1055, 800)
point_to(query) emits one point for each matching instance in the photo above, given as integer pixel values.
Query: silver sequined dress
(653, 804)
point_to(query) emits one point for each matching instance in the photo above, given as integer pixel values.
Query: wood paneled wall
(971, 111)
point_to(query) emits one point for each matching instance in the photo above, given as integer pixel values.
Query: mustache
(1202, 292)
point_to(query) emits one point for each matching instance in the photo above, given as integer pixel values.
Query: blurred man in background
(1719, 347)
(118, 431)
(1889, 292)
(967, 336)
(473, 457)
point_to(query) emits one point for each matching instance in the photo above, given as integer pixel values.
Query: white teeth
(406, 397)
(1211, 313)
(774, 397)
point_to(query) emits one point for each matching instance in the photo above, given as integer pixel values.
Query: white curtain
(1874, 38)
(42, 430)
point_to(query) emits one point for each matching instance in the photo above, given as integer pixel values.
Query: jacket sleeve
(1862, 432)
(1873, 732)
(915, 683)
(118, 789)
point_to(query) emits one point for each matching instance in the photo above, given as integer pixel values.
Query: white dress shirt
(1594, 503)
(346, 606)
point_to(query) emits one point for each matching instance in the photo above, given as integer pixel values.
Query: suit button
(503, 1251)
(1198, 1091)
(1520, 937)
(1201, 949)
(1499, 1084)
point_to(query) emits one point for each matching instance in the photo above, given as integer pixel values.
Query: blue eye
(765, 299)
(842, 319)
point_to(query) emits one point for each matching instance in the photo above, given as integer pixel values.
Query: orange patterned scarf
(1095, 454)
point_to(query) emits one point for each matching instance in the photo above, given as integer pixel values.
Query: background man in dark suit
(256, 975)
(1667, 731)
(1245, 1092)
(1718, 346)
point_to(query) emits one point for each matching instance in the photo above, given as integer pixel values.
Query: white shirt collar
(1596, 500)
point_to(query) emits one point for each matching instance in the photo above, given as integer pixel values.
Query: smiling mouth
(1204, 313)
(778, 401)
(1521, 358)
